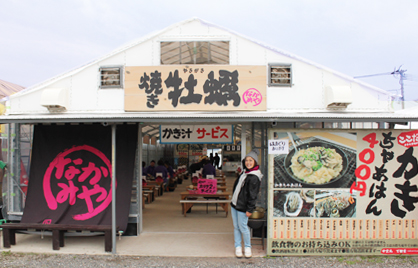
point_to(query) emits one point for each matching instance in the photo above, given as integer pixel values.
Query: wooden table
(152, 188)
(221, 188)
(223, 200)
(159, 186)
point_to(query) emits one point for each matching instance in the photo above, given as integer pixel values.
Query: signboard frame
(362, 233)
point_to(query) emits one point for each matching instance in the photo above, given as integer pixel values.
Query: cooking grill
(283, 180)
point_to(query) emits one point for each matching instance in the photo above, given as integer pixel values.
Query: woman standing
(244, 196)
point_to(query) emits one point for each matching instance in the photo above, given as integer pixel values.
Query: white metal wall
(309, 79)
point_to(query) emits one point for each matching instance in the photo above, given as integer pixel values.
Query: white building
(275, 89)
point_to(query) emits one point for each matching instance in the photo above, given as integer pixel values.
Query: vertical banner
(353, 192)
(70, 176)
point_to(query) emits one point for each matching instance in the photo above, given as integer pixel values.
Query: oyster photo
(293, 204)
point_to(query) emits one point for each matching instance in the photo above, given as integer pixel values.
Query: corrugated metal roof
(204, 117)
(7, 88)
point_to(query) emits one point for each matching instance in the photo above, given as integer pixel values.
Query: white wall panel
(305, 93)
(84, 88)
(118, 59)
(141, 55)
(110, 100)
(249, 53)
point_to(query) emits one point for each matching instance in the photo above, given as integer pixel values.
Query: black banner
(70, 175)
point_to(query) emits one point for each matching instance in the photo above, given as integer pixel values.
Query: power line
(399, 72)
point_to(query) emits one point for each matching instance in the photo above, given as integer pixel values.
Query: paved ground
(8, 259)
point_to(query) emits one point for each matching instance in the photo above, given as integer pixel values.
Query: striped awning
(7, 88)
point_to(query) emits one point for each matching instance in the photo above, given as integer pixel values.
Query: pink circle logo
(252, 96)
(67, 171)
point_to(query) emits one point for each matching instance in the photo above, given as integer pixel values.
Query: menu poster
(374, 229)
(301, 229)
(328, 229)
(275, 228)
(340, 231)
(400, 229)
(282, 227)
(393, 229)
(354, 229)
(347, 229)
(295, 229)
(381, 229)
(308, 229)
(387, 229)
(334, 229)
(406, 229)
(315, 228)
(321, 229)
(288, 228)
(369, 207)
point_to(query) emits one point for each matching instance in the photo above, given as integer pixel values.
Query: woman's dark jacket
(248, 194)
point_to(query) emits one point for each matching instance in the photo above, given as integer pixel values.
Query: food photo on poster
(316, 160)
(294, 203)
(335, 204)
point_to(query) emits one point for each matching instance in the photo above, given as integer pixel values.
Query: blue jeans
(240, 221)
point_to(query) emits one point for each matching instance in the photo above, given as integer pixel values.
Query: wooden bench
(154, 188)
(149, 194)
(147, 197)
(58, 230)
(188, 203)
(158, 185)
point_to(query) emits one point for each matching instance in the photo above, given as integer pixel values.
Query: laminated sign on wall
(344, 193)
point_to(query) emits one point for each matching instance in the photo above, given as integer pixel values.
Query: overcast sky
(41, 39)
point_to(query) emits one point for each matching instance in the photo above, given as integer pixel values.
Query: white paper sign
(174, 134)
(278, 146)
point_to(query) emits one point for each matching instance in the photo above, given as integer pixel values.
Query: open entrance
(207, 229)
(163, 215)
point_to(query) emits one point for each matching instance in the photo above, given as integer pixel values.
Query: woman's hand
(248, 214)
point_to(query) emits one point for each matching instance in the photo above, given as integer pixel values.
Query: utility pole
(399, 72)
(401, 78)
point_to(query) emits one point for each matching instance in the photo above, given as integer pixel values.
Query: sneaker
(238, 252)
(247, 253)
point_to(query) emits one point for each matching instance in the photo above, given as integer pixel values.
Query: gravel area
(9, 259)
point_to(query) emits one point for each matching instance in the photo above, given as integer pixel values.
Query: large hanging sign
(344, 193)
(195, 88)
(70, 177)
(189, 134)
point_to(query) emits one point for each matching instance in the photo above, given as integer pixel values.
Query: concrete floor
(166, 232)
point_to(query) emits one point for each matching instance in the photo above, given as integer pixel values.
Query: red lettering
(359, 186)
(371, 139)
(362, 156)
(359, 171)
